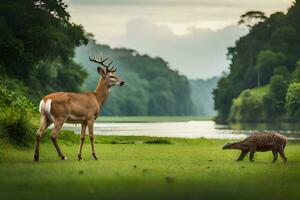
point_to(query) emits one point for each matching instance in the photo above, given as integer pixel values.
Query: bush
(18, 118)
(293, 101)
(248, 106)
(16, 127)
(157, 141)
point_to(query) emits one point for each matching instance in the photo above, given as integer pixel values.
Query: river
(190, 129)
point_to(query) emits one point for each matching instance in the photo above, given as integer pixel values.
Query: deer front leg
(91, 134)
(82, 138)
(54, 136)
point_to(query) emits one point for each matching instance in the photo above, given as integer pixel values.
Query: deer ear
(101, 71)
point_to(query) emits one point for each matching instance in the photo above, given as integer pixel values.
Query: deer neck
(102, 92)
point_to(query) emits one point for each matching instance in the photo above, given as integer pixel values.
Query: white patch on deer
(41, 105)
(48, 106)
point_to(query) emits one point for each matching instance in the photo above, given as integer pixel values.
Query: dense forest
(37, 45)
(263, 81)
(151, 88)
(42, 51)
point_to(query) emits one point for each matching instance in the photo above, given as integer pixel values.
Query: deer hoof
(64, 158)
(94, 155)
(79, 157)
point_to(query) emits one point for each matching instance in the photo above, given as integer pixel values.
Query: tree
(272, 47)
(35, 30)
(267, 61)
(278, 87)
(251, 18)
(293, 101)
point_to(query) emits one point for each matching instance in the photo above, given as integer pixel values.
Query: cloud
(190, 34)
(199, 54)
(218, 3)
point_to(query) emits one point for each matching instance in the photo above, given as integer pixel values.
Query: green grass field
(130, 169)
(152, 118)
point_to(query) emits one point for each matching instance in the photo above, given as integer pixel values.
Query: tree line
(264, 74)
(151, 88)
(38, 43)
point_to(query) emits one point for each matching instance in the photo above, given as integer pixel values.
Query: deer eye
(111, 77)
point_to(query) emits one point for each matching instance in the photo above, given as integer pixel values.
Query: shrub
(18, 118)
(293, 101)
(251, 108)
(157, 141)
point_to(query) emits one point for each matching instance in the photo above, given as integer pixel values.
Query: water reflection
(291, 130)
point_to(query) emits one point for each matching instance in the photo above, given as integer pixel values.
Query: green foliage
(266, 62)
(248, 107)
(17, 118)
(296, 73)
(271, 105)
(282, 71)
(272, 47)
(223, 97)
(278, 87)
(293, 101)
(35, 30)
(37, 45)
(151, 87)
(52, 76)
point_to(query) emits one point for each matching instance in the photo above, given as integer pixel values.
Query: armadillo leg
(281, 152)
(252, 152)
(275, 155)
(242, 155)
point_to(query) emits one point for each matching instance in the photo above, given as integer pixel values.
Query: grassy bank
(152, 118)
(146, 168)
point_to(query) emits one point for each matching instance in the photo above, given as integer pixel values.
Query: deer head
(106, 72)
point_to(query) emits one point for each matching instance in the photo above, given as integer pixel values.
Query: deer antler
(101, 62)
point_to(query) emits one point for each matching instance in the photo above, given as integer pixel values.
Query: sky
(191, 35)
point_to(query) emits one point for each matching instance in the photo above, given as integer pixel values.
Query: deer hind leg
(82, 138)
(44, 124)
(54, 135)
(91, 134)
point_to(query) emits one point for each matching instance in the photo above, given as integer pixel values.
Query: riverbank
(146, 168)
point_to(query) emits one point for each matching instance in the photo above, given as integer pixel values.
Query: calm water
(191, 129)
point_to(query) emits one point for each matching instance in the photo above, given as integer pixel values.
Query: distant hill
(201, 94)
(151, 87)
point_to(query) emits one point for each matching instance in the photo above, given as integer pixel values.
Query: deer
(79, 108)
